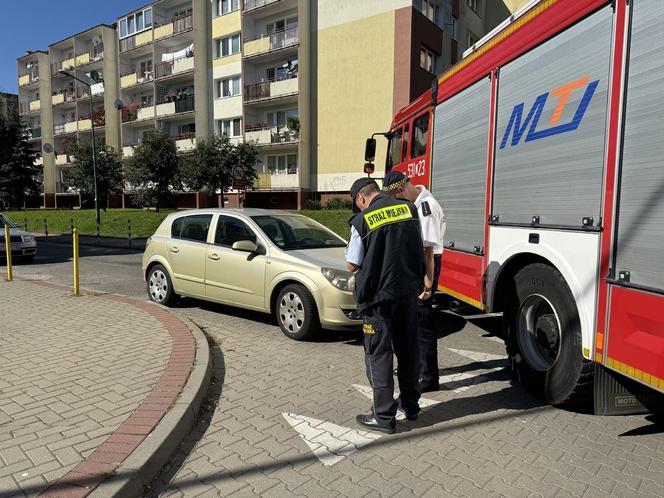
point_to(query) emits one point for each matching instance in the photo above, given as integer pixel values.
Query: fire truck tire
(544, 337)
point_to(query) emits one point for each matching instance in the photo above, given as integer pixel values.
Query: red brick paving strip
(90, 473)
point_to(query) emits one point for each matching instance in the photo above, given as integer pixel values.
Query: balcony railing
(255, 4)
(176, 66)
(27, 78)
(175, 105)
(67, 64)
(267, 42)
(135, 78)
(61, 97)
(89, 56)
(270, 135)
(273, 88)
(34, 133)
(175, 26)
(23, 107)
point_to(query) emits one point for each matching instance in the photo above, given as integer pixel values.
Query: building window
(282, 164)
(229, 87)
(474, 5)
(227, 6)
(232, 128)
(471, 38)
(420, 136)
(427, 60)
(135, 23)
(429, 9)
(228, 45)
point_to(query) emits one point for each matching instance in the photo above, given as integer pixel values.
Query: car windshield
(4, 221)
(290, 232)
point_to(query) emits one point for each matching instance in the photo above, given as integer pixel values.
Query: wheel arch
(288, 279)
(159, 260)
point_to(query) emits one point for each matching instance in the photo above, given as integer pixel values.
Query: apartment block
(306, 81)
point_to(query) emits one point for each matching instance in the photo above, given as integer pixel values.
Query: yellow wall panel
(227, 24)
(256, 46)
(84, 124)
(24, 80)
(58, 99)
(146, 36)
(162, 31)
(128, 80)
(35, 105)
(69, 63)
(82, 59)
(355, 91)
(227, 60)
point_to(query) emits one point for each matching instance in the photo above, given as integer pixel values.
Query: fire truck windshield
(394, 149)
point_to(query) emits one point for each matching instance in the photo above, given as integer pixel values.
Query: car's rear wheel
(296, 313)
(160, 287)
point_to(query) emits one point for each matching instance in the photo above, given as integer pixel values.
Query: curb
(138, 470)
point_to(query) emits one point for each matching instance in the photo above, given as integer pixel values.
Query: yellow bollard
(8, 249)
(75, 244)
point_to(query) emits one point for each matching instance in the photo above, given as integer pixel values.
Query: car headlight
(341, 279)
(28, 238)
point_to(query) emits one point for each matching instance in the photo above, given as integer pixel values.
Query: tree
(152, 172)
(216, 162)
(18, 173)
(80, 176)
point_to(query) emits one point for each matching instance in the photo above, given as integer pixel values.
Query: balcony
(94, 55)
(265, 43)
(257, 4)
(271, 89)
(271, 135)
(65, 64)
(176, 66)
(175, 26)
(137, 40)
(185, 142)
(34, 133)
(62, 158)
(135, 78)
(29, 78)
(96, 89)
(282, 180)
(175, 105)
(63, 96)
(64, 128)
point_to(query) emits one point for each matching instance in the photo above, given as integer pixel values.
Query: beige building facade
(307, 81)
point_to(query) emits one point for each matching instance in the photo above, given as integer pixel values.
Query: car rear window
(194, 227)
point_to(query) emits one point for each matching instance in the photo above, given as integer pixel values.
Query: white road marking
(477, 356)
(329, 442)
(368, 392)
(462, 381)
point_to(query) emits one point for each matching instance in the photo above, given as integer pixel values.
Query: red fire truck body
(545, 147)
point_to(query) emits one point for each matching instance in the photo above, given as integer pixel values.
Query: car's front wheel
(296, 313)
(160, 287)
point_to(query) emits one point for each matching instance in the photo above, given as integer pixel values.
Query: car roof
(241, 211)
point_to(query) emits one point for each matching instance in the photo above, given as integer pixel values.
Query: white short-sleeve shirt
(355, 248)
(432, 220)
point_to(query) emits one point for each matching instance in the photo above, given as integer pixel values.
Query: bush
(338, 203)
(312, 205)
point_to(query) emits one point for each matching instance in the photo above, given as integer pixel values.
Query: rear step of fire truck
(615, 394)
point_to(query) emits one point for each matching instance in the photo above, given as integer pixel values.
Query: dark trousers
(426, 337)
(391, 328)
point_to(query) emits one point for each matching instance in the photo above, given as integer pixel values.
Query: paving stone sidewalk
(72, 370)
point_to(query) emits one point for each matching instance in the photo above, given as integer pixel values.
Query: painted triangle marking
(329, 442)
(368, 393)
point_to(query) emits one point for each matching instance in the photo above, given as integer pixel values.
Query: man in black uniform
(386, 252)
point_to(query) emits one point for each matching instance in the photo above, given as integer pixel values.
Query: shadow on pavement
(204, 419)
(656, 426)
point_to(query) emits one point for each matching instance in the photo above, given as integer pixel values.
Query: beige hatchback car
(265, 260)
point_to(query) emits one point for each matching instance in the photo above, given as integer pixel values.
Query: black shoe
(410, 416)
(372, 423)
(427, 386)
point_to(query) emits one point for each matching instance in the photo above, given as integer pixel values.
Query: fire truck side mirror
(370, 150)
(368, 168)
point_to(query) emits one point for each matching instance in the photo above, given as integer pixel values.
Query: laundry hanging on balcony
(185, 52)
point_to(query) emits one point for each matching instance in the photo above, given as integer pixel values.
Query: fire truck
(545, 147)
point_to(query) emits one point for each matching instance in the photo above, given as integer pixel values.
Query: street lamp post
(94, 153)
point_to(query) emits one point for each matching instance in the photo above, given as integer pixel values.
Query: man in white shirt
(432, 220)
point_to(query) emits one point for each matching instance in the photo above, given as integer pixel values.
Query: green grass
(113, 221)
(143, 222)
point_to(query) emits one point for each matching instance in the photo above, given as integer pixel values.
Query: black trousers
(391, 328)
(426, 337)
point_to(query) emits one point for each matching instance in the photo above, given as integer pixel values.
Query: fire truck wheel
(544, 336)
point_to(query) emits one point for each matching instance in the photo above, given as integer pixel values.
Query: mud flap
(615, 394)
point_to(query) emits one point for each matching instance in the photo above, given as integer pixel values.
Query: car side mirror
(370, 150)
(244, 246)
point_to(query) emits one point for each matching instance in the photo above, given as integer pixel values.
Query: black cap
(358, 185)
(393, 181)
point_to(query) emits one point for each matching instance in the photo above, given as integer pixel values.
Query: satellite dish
(119, 105)
(48, 148)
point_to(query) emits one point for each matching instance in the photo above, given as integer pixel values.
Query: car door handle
(214, 256)
(175, 249)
